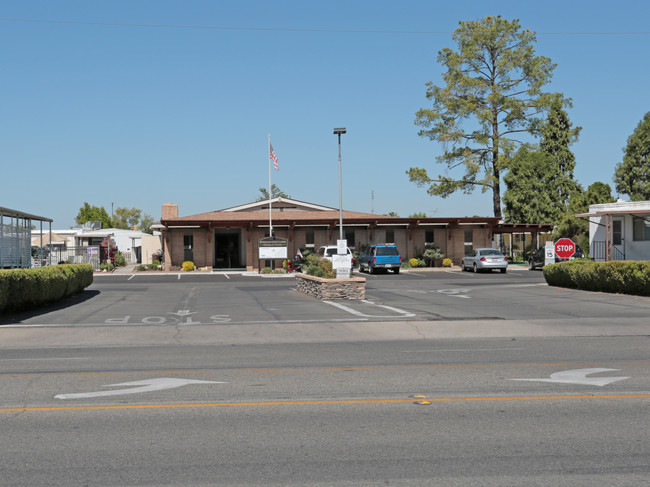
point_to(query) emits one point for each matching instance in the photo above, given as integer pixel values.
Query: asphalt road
(438, 379)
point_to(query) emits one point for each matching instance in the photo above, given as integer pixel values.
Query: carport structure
(16, 237)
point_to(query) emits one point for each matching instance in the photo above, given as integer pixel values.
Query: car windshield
(491, 252)
(387, 251)
(330, 252)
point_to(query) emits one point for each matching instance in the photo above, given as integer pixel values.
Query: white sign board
(341, 262)
(549, 253)
(273, 252)
(341, 247)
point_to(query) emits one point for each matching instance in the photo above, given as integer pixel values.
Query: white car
(327, 251)
(484, 259)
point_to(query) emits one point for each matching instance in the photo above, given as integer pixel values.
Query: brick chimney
(169, 211)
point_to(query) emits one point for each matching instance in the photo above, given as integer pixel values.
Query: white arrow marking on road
(145, 386)
(579, 376)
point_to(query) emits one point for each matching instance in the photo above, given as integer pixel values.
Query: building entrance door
(226, 251)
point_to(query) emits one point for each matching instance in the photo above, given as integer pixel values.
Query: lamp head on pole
(339, 131)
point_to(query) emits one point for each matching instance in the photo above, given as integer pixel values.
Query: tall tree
(275, 193)
(145, 223)
(126, 218)
(528, 197)
(572, 227)
(494, 82)
(557, 135)
(88, 213)
(539, 184)
(632, 176)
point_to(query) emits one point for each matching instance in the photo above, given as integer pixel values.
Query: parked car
(538, 257)
(327, 251)
(384, 257)
(484, 259)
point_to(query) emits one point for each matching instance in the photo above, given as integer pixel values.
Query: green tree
(539, 184)
(494, 82)
(632, 176)
(126, 218)
(88, 213)
(275, 193)
(417, 214)
(392, 213)
(572, 227)
(145, 223)
(527, 198)
(557, 135)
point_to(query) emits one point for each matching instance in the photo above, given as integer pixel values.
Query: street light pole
(338, 132)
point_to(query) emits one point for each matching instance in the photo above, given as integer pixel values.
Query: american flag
(274, 157)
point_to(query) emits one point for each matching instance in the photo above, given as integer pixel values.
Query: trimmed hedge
(22, 289)
(626, 277)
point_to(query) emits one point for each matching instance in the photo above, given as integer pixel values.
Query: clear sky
(139, 103)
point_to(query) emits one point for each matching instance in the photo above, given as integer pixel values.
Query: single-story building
(229, 238)
(619, 231)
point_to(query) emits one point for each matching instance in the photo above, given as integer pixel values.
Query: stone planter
(328, 289)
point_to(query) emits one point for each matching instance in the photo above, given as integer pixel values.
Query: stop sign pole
(565, 248)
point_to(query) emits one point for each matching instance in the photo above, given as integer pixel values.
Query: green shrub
(447, 263)
(155, 262)
(120, 260)
(28, 288)
(626, 277)
(267, 270)
(406, 264)
(188, 266)
(432, 254)
(320, 268)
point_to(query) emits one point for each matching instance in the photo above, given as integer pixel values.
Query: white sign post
(341, 262)
(549, 253)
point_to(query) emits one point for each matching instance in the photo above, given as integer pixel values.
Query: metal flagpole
(270, 214)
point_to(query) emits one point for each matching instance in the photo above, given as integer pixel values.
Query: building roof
(619, 208)
(19, 214)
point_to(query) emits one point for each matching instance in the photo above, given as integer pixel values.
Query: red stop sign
(565, 248)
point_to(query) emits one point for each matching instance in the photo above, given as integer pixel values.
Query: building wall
(409, 242)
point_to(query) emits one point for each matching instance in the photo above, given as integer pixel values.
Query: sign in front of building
(273, 248)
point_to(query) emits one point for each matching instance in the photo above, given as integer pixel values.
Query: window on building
(349, 236)
(428, 238)
(617, 232)
(390, 236)
(309, 238)
(469, 241)
(640, 229)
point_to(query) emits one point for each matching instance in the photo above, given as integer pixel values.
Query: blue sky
(147, 102)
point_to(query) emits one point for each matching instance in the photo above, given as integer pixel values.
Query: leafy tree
(539, 184)
(527, 198)
(392, 213)
(126, 218)
(420, 214)
(88, 213)
(632, 176)
(145, 223)
(572, 227)
(495, 79)
(557, 135)
(275, 193)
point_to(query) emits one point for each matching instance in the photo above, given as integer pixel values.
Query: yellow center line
(325, 402)
(312, 369)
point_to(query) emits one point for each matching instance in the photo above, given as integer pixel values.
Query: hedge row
(28, 288)
(626, 277)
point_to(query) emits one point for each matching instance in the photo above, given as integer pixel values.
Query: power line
(289, 29)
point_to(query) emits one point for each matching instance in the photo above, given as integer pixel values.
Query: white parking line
(404, 314)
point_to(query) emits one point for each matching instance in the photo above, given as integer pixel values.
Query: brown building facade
(228, 238)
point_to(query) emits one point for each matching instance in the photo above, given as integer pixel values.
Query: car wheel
(503, 271)
(371, 269)
(474, 268)
(396, 271)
